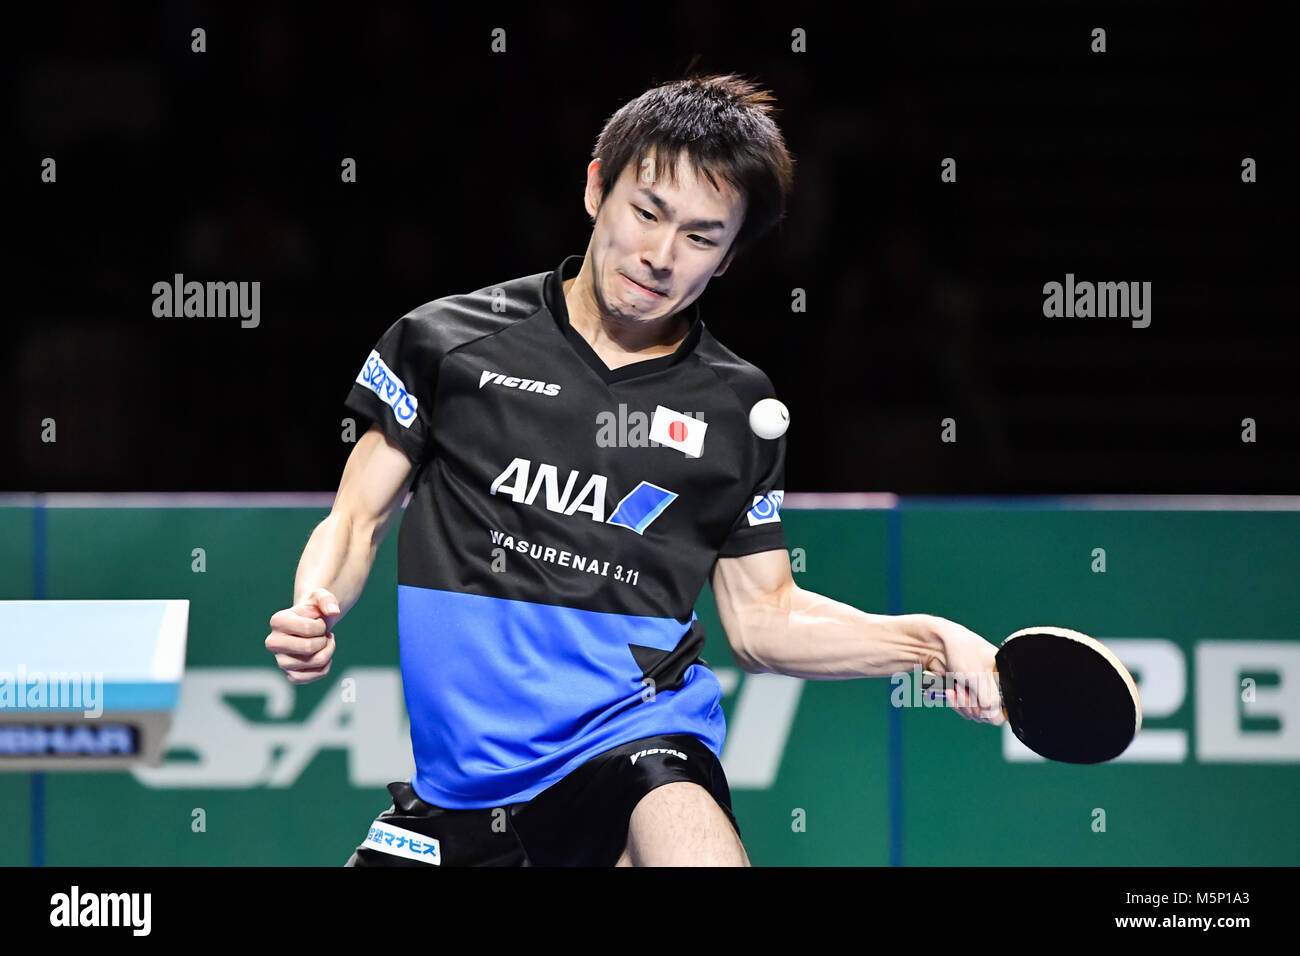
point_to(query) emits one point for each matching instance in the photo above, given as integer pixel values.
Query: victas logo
(381, 380)
(523, 384)
(658, 750)
(638, 508)
(766, 508)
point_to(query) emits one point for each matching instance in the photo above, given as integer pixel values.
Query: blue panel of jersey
(507, 697)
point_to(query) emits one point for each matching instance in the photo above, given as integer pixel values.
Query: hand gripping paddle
(1066, 695)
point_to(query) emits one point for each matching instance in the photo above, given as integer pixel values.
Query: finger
(294, 662)
(988, 715)
(308, 623)
(324, 600)
(306, 677)
(987, 693)
(957, 700)
(278, 642)
(980, 694)
(301, 625)
(962, 699)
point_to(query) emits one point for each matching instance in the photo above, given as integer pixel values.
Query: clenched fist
(301, 639)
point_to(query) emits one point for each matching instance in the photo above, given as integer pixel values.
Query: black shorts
(580, 821)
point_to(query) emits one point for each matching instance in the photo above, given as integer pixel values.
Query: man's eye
(649, 217)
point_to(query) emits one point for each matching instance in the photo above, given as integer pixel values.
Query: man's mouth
(648, 290)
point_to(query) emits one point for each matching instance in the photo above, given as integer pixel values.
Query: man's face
(669, 237)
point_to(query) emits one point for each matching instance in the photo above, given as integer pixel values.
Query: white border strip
(1184, 502)
(169, 649)
(840, 500)
(799, 500)
(294, 499)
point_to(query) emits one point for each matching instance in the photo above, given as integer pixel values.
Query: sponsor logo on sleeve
(766, 508)
(379, 378)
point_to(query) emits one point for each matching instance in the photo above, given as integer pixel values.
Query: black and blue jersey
(552, 552)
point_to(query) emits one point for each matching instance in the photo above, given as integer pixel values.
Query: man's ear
(726, 261)
(591, 197)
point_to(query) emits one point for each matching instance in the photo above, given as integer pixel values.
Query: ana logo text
(638, 508)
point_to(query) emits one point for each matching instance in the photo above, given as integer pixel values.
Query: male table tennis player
(548, 564)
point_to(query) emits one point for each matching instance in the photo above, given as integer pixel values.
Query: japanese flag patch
(679, 431)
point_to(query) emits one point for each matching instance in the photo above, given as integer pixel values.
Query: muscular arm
(342, 549)
(775, 626)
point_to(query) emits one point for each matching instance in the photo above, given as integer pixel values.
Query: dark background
(925, 298)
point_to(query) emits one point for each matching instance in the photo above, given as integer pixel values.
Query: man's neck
(615, 344)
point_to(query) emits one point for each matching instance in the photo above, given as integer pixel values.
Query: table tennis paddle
(1065, 695)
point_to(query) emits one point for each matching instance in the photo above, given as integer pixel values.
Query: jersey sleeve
(396, 385)
(758, 527)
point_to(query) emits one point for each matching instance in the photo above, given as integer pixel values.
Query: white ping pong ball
(769, 418)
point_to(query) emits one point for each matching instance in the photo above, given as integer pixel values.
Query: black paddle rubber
(1066, 696)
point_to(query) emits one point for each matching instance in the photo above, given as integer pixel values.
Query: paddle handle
(942, 681)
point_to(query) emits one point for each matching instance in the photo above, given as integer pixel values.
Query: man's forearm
(818, 638)
(338, 557)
